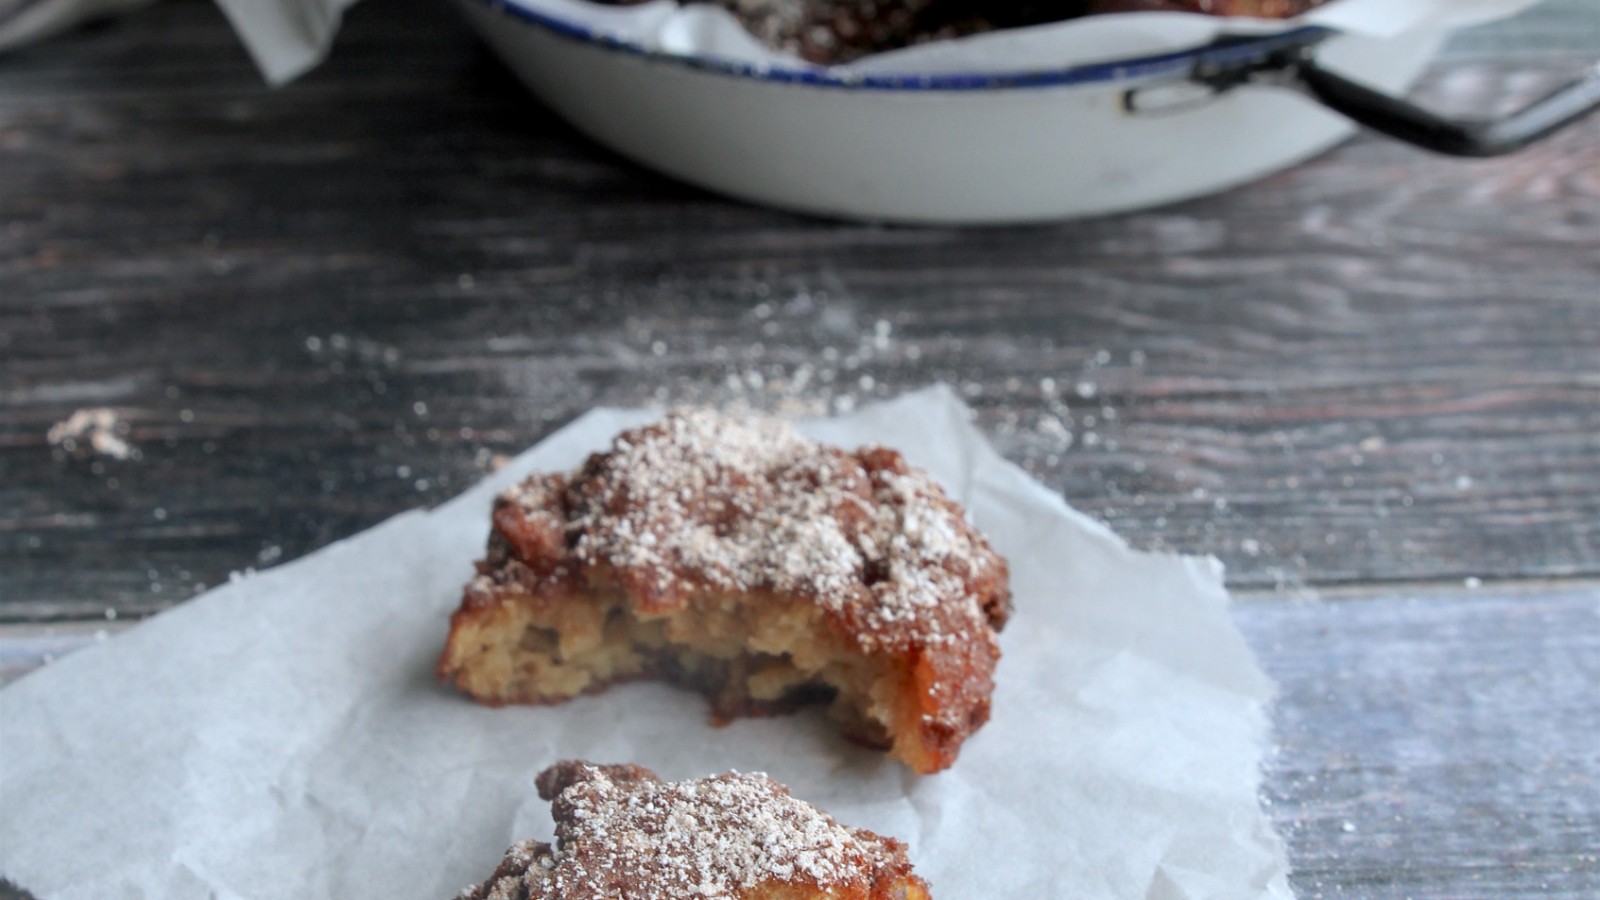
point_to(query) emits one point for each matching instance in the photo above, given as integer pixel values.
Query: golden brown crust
(621, 832)
(848, 573)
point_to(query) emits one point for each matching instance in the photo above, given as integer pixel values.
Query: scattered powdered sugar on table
(102, 428)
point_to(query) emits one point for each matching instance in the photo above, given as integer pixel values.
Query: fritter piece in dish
(832, 32)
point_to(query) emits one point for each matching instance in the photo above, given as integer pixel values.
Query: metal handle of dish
(1290, 62)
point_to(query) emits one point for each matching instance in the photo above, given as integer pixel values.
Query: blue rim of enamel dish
(1231, 50)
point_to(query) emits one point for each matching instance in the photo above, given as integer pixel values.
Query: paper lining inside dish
(704, 31)
(288, 37)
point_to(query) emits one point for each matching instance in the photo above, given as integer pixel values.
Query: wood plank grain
(315, 307)
(1436, 746)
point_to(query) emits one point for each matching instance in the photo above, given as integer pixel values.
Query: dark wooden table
(1370, 384)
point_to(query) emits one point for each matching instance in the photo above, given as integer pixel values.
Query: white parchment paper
(283, 736)
(287, 37)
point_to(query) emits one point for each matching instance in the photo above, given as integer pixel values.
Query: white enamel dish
(986, 148)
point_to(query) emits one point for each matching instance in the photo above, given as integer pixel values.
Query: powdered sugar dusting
(744, 504)
(620, 832)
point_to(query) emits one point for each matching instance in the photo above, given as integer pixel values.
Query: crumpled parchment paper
(283, 736)
(24, 21)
